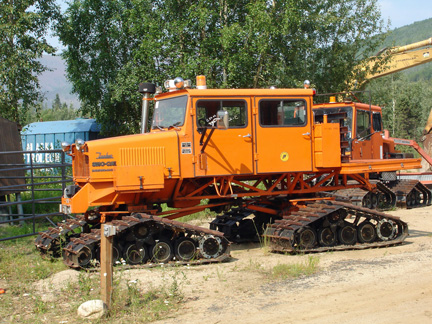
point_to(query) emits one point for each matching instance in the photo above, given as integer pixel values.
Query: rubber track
(357, 197)
(93, 238)
(49, 241)
(402, 188)
(281, 235)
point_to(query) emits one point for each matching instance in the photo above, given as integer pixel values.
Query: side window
(363, 123)
(282, 112)
(377, 123)
(207, 112)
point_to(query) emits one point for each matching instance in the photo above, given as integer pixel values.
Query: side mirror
(222, 119)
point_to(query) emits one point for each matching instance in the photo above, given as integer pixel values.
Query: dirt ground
(386, 285)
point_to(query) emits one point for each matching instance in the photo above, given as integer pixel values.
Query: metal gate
(31, 187)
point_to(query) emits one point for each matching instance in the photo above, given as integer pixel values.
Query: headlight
(65, 147)
(79, 143)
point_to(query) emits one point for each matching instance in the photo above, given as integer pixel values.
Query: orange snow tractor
(364, 138)
(256, 156)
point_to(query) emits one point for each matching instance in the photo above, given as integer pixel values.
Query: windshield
(169, 112)
(335, 116)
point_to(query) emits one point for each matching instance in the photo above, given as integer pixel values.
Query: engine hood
(110, 158)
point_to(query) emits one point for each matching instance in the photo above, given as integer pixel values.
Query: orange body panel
(228, 152)
(273, 139)
(326, 149)
(284, 148)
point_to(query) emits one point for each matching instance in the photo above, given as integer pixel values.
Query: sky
(400, 13)
(405, 12)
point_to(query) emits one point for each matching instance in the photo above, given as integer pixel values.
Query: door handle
(306, 134)
(248, 135)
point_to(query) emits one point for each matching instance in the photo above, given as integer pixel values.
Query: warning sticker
(186, 151)
(186, 144)
(284, 156)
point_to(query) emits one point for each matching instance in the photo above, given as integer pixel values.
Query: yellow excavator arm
(397, 59)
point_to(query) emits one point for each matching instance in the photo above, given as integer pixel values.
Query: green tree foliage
(406, 105)
(112, 45)
(58, 111)
(262, 43)
(107, 56)
(23, 28)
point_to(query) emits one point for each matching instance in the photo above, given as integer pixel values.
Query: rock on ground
(92, 309)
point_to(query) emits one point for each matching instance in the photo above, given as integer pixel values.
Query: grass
(201, 216)
(285, 271)
(25, 301)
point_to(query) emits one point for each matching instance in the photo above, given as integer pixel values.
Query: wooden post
(106, 259)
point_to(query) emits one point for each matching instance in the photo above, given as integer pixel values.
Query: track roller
(142, 237)
(333, 225)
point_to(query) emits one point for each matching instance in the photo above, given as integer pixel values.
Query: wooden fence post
(106, 259)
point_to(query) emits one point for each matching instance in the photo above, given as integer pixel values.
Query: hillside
(54, 81)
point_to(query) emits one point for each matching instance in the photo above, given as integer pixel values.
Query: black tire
(116, 253)
(347, 234)
(141, 231)
(374, 200)
(185, 249)
(367, 201)
(410, 200)
(381, 201)
(366, 232)
(134, 254)
(386, 229)
(162, 251)
(326, 237)
(83, 257)
(306, 238)
(418, 198)
(336, 216)
(211, 246)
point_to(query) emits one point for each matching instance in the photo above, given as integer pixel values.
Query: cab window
(363, 123)
(282, 112)
(207, 112)
(377, 122)
(169, 112)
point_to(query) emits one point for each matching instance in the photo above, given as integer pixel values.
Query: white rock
(92, 309)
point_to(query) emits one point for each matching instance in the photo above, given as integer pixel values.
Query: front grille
(142, 156)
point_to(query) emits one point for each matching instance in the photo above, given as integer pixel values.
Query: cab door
(368, 142)
(283, 135)
(223, 151)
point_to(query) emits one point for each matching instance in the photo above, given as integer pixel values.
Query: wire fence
(31, 187)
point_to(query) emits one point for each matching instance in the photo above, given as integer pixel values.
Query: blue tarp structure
(49, 136)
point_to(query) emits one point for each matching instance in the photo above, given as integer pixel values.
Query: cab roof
(236, 92)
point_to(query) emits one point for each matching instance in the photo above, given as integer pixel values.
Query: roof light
(306, 84)
(332, 99)
(201, 82)
(177, 84)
